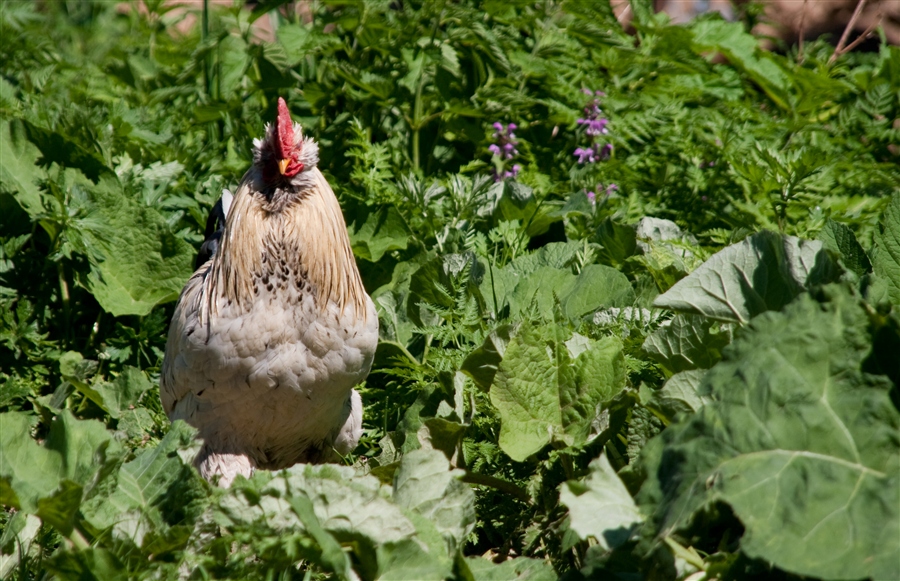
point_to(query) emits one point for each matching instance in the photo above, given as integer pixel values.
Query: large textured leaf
(143, 262)
(800, 443)
(546, 391)
(762, 272)
(886, 262)
(680, 394)
(28, 472)
(158, 475)
(518, 569)
(687, 342)
(425, 484)
(600, 506)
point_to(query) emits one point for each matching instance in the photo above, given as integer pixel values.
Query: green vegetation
(639, 294)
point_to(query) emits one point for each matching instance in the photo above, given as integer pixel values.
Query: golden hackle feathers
(321, 252)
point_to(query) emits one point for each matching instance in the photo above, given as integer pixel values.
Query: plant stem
(498, 484)
(839, 49)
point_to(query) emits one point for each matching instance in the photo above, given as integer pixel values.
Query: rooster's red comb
(285, 130)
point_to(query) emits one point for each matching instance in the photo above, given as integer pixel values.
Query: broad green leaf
(157, 476)
(679, 395)
(763, 272)
(18, 173)
(687, 342)
(482, 363)
(619, 241)
(742, 51)
(424, 483)
(839, 239)
(600, 506)
(28, 471)
(83, 446)
(597, 286)
(143, 262)
(886, 259)
(383, 231)
(544, 393)
(90, 564)
(117, 396)
(331, 553)
(798, 441)
(518, 569)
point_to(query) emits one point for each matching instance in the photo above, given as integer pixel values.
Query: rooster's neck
(286, 238)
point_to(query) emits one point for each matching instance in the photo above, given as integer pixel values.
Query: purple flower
(586, 155)
(592, 197)
(611, 188)
(504, 150)
(595, 126)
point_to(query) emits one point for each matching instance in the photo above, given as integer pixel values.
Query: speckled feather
(270, 336)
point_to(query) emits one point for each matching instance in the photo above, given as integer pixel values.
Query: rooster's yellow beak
(283, 165)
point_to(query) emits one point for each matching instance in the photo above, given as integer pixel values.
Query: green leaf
(28, 472)
(383, 231)
(597, 286)
(886, 259)
(742, 51)
(482, 363)
(17, 542)
(600, 506)
(19, 175)
(839, 239)
(144, 263)
(90, 564)
(687, 342)
(157, 476)
(118, 396)
(544, 393)
(518, 569)
(798, 441)
(763, 272)
(424, 483)
(83, 446)
(679, 395)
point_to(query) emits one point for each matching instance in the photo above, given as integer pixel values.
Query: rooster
(271, 334)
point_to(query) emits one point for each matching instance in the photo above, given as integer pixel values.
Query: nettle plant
(638, 293)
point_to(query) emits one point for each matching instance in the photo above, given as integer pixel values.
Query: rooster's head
(284, 155)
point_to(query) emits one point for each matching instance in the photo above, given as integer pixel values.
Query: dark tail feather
(215, 226)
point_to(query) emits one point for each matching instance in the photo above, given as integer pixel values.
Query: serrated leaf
(763, 272)
(600, 506)
(886, 259)
(798, 441)
(840, 239)
(19, 175)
